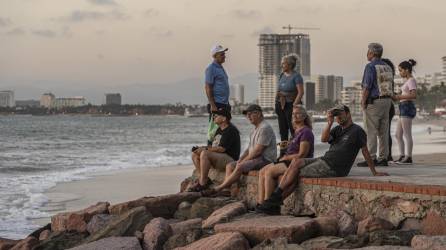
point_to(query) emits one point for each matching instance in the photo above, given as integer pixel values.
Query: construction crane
(289, 28)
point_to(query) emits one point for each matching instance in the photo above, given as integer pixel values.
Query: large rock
(425, 242)
(202, 208)
(112, 243)
(125, 224)
(6, 244)
(225, 214)
(28, 243)
(389, 237)
(411, 224)
(161, 206)
(156, 234)
(184, 233)
(371, 224)
(98, 222)
(62, 240)
(346, 223)
(277, 244)
(256, 230)
(183, 226)
(221, 241)
(433, 224)
(77, 220)
(321, 242)
(327, 226)
(36, 234)
(384, 248)
(44, 235)
(351, 242)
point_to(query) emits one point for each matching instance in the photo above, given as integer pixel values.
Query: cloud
(45, 33)
(246, 14)
(103, 2)
(4, 22)
(83, 15)
(16, 32)
(151, 13)
(264, 30)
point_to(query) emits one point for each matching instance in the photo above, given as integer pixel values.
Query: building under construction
(272, 48)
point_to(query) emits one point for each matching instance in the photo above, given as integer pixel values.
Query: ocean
(36, 152)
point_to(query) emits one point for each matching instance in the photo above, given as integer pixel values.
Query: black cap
(251, 108)
(223, 112)
(340, 107)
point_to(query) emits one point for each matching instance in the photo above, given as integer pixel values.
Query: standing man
(216, 86)
(377, 95)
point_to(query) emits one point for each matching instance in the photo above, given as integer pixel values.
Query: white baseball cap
(217, 48)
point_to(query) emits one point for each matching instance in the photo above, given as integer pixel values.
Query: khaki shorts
(219, 160)
(316, 167)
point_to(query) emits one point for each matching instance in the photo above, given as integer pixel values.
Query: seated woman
(301, 146)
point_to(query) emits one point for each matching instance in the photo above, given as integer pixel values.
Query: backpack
(384, 78)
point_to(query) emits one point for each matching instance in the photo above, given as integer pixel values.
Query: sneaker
(381, 163)
(268, 207)
(400, 159)
(390, 158)
(405, 161)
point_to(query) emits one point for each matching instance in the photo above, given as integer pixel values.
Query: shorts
(220, 160)
(316, 167)
(407, 109)
(287, 163)
(254, 164)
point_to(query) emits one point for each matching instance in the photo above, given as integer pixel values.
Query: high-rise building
(327, 87)
(237, 93)
(351, 96)
(272, 47)
(113, 99)
(7, 98)
(310, 95)
(444, 65)
(321, 89)
(47, 100)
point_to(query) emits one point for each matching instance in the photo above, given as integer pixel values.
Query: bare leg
(261, 185)
(205, 165)
(291, 175)
(196, 161)
(232, 178)
(271, 175)
(289, 190)
(229, 169)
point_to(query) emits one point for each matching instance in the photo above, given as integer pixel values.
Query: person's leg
(233, 177)
(196, 161)
(291, 174)
(271, 178)
(205, 165)
(399, 136)
(406, 124)
(261, 184)
(288, 116)
(371, 125)
(281, 118)
(240, 168)
(383, 129)
(229, 169)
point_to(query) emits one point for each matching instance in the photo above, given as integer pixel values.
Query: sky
(156, 51)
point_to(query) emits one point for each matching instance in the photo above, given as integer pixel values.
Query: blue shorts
(407, 109)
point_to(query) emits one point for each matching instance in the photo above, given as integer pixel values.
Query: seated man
(225, 148)
(301, 146)
(260, 152)
(345, 141)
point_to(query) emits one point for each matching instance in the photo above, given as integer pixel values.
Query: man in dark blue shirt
(377, 92)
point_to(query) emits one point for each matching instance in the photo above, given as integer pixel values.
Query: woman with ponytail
(407, 111)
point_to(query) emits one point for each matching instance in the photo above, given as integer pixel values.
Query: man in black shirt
(345, 141)
(225, 148)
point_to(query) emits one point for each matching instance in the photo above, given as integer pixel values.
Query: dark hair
(388, 62)
(409, 64)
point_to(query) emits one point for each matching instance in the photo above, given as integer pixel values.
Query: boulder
(98, 222)
(384, 248)
(321, 242)
(36, 234)
(411, 224)
(202, 208)
(425, 242)
(77, 220)
(225, 214)
(433, 224)
(161, 206)
(44, 235)
(183, 238)
(186, 183)
(346, 223)
(6, 244)
(351, 242)
(327, 226)
(277, 244)
(112, 243)
(256, 230)
(388, 237)
(371, 224)
(28, 243)
(62, 240)
(156, 234)
(125, 224)
(183, 226)
(221, 241)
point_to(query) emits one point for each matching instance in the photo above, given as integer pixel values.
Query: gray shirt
(264, 135)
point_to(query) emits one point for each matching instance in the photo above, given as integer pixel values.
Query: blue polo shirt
(369, 80)
(216, 77)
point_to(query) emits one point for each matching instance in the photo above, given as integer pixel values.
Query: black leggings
(285, 121)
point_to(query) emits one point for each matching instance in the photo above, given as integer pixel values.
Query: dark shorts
(407, 109)
(316, 167)
(254, 164)
(287, 163)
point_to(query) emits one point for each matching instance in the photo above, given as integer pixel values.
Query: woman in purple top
(301, 146)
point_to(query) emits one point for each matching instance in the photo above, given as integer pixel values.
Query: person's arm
(325, 136)
(300, 94)
(367, 82)
(210, 94)
(218, 149)
(366, 154)
(411, 96)
(365, 95)
(304, 149)
(257, 151)
(243, 156)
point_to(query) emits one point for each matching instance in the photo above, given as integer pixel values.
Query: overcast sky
(111, 44)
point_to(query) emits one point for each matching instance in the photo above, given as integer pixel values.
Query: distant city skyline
(148, 50)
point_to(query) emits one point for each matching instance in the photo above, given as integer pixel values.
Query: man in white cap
(216, 86)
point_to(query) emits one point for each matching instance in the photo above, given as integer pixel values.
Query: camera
(194, 148)
(336, 112)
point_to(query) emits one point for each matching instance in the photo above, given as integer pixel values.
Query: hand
(213, 107)
(330, 117)
(381, 174)
(395, 97)
(363, 105)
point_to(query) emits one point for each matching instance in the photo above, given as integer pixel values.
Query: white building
(7, 98)
(237, 93)
(47, 100)
(351, 96)
(328, 87)
(66, 102)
